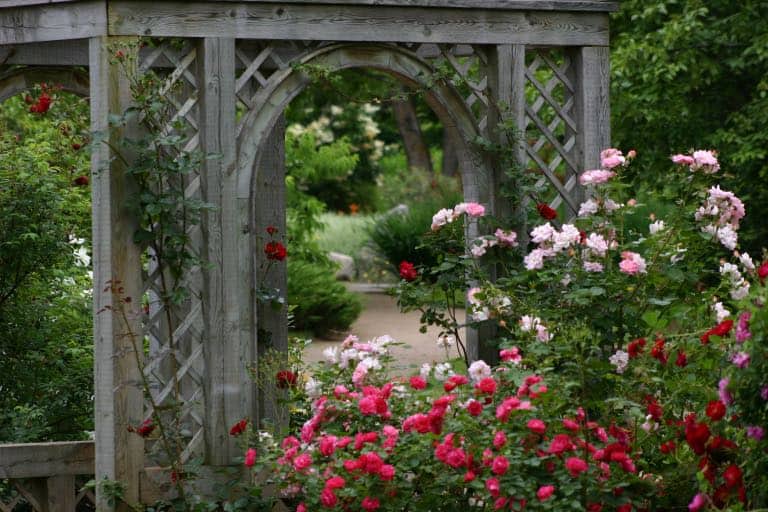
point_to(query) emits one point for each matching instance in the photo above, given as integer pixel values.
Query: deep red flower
(657, 352)
(285, 379)
(667, 447)
(474, 408)
(408, 271)
(76, 146)
(275, 251)
(239, 427)
(721, 329)
(732, 476)
(635, 348)
(145, 429)
(682, 359)
(762, 272)
(418, 382)
(696, 435)
(487, 386)
(653, 408)
(546, 211)
(81, 181)
(28, 99)
(576, 466)
(716, 410)
(271, 230)
(42, 105)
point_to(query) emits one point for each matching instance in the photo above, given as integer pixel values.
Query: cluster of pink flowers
(609, 159)
(720, 215)
(448, 215)
(533, 324)
(551, 242)
(701, 160)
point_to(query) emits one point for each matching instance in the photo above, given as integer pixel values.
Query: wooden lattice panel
(32, 494)
(550, 126)
(175, 369)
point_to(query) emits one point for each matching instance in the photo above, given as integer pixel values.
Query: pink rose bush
(626, 369)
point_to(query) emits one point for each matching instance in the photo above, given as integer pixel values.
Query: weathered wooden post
(119, 397)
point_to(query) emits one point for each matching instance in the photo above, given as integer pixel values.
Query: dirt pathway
(381, 316)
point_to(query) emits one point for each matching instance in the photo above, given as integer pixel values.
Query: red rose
(275, 251)
(238, 428)
(732, 476)
(654, 409)
(418, 382)
(546, 211)
(408, 271)
(42, 105)
(487, 386)
(635, 348)
(682, 359)
(271, 230)
(657, 352)
(81, 181)
(285, 379)
(696, 435)
(716, 410)
(721, 329)
(76, 146)
(762, 272)
(474, 408)
(667, 447)
(144, 430)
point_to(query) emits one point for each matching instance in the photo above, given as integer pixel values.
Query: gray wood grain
(119, 398)
(34, 460)
(358, 23)
(52, 22)
(592, 108)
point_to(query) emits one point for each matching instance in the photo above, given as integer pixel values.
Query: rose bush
(632, 367)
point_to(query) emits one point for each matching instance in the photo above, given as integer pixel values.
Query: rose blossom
(682, 159)
(250, 457)
(545, 492)
(506, 238)
(441, 218)
(740, 359)
(611, 157)
(756, 433)
(595, 177)
(632, 263)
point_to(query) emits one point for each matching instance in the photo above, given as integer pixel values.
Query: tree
(694, 74)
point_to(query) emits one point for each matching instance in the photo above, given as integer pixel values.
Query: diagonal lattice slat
(550, 127)
(175, 366)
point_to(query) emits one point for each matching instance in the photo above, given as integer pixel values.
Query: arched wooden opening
(225, 46)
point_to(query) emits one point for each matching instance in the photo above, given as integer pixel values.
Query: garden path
(381, 316)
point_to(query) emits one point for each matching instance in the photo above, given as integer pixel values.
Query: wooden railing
(46, 477)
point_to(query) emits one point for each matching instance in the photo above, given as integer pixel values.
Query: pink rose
(370, 504)
(595, 177)
(302, 462)
(328, 498)
(492, 485)
(250, 457)
(697, 503)
(537, 426)
(500, 465)
(545, 492)
(682, 159)
(387, 472)
(575, 466)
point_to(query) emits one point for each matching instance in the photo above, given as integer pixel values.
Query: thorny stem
(164, 437)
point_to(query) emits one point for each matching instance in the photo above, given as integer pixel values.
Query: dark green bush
(398, 236)
(320, 304)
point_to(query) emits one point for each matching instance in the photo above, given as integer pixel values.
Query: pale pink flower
(593, 266)
(479, 370)
(722, 391)
(441, 218)
(706, 161)
(471, 296)
(595, 177)
(611, 157)
(535, 259)
(567, 236)
(597, 244)
(543, 233)
(471, 209)
(682, 159)
(506, 238)
(632, 263)
(587, 208)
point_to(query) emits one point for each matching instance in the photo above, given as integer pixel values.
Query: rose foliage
(632, 371)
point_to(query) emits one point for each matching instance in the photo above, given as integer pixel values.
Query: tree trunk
(416, 151)
(451, 143)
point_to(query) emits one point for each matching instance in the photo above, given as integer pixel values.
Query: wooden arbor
(543, 66)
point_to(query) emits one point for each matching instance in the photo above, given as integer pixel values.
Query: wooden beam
(244, 20)
(119, 397)
(36, 460)
(229, 391)
(53, 22)
(549, 5)
(593, 108)
(23, 79)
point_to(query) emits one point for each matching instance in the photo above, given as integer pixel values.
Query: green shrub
(400, 185)
(398, 236)
(319, 303)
